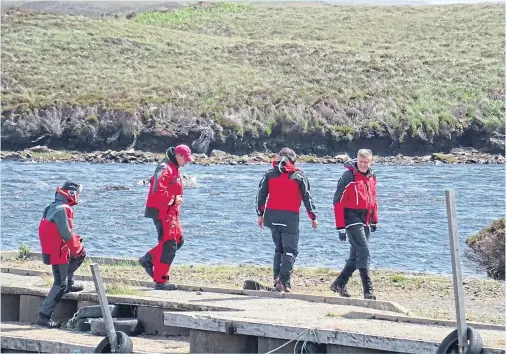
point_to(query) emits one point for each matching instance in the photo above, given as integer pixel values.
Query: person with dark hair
(163, 206)
(280, 193)
(61, 248)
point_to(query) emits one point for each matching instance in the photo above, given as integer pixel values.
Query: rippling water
(219, 219)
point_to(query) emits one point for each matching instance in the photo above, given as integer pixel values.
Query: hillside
(251, 77)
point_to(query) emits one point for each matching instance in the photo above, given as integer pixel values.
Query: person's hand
(180, 244)
(342, 235)
(81, 253)
(374, 227)
(260, 222)
(314, 224)
(178, 200)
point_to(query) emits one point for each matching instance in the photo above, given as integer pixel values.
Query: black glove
(342, 236)
(373, 228)
(180, 244)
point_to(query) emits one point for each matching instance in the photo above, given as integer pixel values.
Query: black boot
(367, 284)
(339, 285)
(145, 262)
(73, 288)
(47, 322)
(165, 286)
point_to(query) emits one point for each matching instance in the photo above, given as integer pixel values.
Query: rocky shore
(44, 154)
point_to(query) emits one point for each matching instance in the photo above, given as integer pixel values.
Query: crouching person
(61, 248)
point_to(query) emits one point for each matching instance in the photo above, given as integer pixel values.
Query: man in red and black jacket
(356, 213)
(163, 206)
(280, 194)
(61, 248)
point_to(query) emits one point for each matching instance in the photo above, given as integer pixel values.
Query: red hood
(283, 165)
(64, 193)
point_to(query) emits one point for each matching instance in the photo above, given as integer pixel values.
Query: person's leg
(339, 285)
(361, 237)
(290, 251)
(74, 264)
(54, 296)
(164, 256)
(146, 261)
(278, 252)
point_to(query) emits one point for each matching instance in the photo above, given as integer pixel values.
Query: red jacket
(165, 185)
(355, 198)
(280, 194)
(56, 233)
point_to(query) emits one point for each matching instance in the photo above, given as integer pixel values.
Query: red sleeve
(339, 197)
(375, 213)
(74, 245)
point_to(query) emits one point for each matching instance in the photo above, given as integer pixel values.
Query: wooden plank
(255, 328)
(104, 305)
(420, 320)
(214, 324)
(42, 346)
(458, 286)
(119, 299)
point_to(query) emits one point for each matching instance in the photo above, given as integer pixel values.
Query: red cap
(184, 151)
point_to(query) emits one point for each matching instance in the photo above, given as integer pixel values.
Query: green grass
(408, 71)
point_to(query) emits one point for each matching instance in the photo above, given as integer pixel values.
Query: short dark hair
(289, 153)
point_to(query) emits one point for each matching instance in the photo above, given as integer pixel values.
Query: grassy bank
(427, 73)
(423, 294)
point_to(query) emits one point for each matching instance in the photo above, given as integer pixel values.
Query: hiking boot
(145, 262)
(73, 288)
(47, 322)
(340, 289)
(279, 286)
(287, 289)
(165, 286)
(367, 284)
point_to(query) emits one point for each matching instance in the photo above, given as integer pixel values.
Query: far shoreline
(40, 154)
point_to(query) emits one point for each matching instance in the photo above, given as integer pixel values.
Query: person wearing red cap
(163, 206)
(61, 248)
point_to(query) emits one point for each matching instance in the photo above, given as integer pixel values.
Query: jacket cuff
(342, 229)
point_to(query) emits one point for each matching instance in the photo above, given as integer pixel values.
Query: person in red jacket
(163, 206)
(356, 214)
(280, 194)
(61, 248)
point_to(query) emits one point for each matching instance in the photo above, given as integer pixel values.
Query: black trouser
(63, 274)
(285, 253)
(358, 236)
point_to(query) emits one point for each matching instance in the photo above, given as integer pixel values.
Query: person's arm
(375, 218)
(344, 181)
(262, 193)
(63, 220)
(305, 192)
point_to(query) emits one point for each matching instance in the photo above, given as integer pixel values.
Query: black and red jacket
(280, 194)
(355, 198)
(56, 231)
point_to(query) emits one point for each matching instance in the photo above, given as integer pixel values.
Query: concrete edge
(421, 320)
(213, 323)
(373, 304)
(43, 346)
(117, 299)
